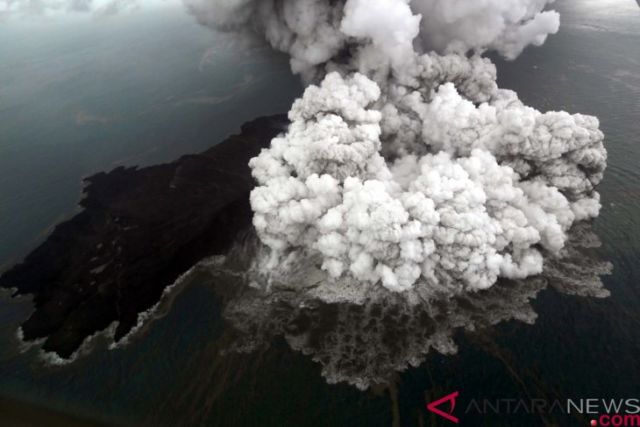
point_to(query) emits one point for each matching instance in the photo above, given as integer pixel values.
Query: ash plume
(405, 165)
(366, 343)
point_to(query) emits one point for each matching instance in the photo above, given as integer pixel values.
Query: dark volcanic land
(139, 231)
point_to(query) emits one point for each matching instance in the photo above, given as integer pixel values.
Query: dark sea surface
(135, 91)
(81, 94)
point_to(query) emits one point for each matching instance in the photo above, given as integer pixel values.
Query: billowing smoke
(408, 167)
(367, 342)
(506, 26)
(316, 32)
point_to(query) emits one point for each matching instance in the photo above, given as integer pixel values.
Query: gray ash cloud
(405, 165)
(366, 342)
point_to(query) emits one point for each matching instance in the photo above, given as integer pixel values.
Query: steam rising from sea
(366, 342)
(411, 196)
(405, 166)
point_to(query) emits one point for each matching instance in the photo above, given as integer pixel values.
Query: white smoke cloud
(389, 24)
(407, 169)
(507, 26)
(315, 32)
(455, 213)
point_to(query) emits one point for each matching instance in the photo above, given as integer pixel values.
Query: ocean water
(83, 94)
(174, 373)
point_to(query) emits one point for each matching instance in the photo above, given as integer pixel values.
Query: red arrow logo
(451, 398)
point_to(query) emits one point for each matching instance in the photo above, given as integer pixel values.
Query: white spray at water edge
(408, 169)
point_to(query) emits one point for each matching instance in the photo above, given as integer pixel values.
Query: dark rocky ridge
(139, 231)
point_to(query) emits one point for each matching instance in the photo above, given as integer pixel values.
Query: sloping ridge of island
(140, 229)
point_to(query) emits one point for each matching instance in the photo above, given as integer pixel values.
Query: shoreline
(140, 231)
